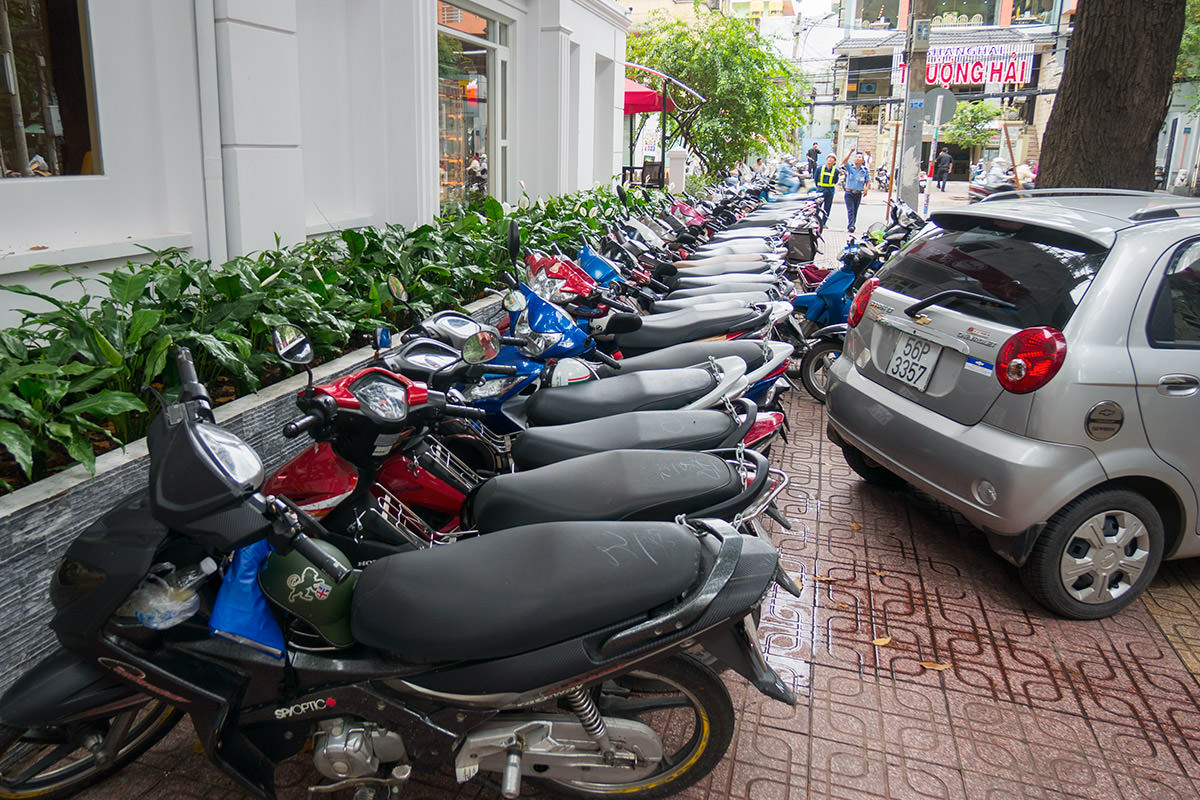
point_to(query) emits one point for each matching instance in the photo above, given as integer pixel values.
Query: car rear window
(1044, 272)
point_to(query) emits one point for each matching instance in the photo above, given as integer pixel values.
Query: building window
(965, 12)
(47, 108)
(1033, 11)
(878, 13)
(472, 129)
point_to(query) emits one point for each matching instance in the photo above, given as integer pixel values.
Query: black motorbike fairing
(621, 485)
(526, 672)
(690, 354)
(674, 304)
(705, 429)
(663, 330)
(638, 391)
(521, 589)
(62, 687)
(121, 547)
(419, 359)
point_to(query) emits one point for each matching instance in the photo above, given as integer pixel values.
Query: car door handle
(1178, 385)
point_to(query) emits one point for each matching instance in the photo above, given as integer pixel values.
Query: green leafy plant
(969, 125)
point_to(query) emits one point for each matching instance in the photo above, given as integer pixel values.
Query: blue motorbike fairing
(830, 303)
(546, 318)
(600, 268)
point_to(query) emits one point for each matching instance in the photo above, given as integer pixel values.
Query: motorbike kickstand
(368, 788)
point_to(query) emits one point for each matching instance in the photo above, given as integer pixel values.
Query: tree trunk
(1114, 94)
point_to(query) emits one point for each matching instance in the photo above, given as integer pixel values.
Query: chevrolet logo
(921, 319)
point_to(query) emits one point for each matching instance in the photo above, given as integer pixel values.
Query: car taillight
(861, 300)
(1030, 358)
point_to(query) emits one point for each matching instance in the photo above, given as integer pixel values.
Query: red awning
(643, 100)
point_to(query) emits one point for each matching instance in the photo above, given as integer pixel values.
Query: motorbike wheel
(687, 705)
(815, 366)
(55, 762)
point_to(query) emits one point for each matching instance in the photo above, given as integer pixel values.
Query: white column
(259, 98)
(410, 155)
(553, 99)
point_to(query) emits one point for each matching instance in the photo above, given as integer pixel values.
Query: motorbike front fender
(834, 333)
(62, 687)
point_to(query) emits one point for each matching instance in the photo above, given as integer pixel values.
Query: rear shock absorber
(589, 716)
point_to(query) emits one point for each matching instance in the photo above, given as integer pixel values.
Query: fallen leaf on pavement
(881, 641)
(878, 573)
(40, 247)
(854, 526)
(825, 579)
(934, 665)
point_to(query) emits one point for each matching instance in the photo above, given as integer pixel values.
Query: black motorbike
(577, 654)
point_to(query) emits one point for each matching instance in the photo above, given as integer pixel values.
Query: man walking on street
(827, 180)
(941, 168)
(857, 178)
(814, 155)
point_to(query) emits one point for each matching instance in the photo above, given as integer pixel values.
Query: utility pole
(916, 47)
(8, 63)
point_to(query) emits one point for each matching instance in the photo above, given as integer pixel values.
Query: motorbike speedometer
(381, 397)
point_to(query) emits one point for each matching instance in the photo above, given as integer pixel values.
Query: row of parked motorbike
(525, 551)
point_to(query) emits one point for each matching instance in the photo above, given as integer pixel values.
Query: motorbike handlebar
(300, 541)
(495, 369)
(515, 341)
(464, 411)
(605, 358)
(185, 365)
(302, 424)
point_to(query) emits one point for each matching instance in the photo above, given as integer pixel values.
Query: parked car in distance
(1033, 361)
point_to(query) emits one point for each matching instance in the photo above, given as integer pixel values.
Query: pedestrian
(827, 180)
(814, 155)
(760, 167)
(857, 180)
(941, 168)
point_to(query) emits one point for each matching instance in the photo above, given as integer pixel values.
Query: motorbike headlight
(551, 288)
(493, 388)
(236, 458)
(385, 399)
(535, 343)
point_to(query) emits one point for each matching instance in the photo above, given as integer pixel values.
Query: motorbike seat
(721, 288)
(689, 354)
(495, 596)
(677, 304)
(663, 330)
(704, 429)
(732, 268)
(418, 359)
(638, 391)
(616, 485)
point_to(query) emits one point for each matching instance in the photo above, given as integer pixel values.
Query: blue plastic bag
(241, 612)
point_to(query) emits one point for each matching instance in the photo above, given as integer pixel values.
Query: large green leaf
(355, 241)
(126, 287)
(103, 348)
(142, 322)
(76, 442)
(156, 359)
(107, 403)
(19, 445)
(92, 379)
(492, 208)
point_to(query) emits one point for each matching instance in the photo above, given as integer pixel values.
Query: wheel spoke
(1092, 532)
(1133, 566)
(1075, 568)
(52, 757)
(1130, 530)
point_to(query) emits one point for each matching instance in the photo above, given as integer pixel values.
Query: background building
(217, 125)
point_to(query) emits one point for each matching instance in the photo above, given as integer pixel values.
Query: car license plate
(913, 360)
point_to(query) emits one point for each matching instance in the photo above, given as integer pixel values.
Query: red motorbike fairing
(418, 487)
(316, 479)
(765, 424)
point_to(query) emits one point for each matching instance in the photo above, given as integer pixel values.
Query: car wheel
(1096, 555)
(870, 471)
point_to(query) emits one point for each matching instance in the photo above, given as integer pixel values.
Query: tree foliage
(968, 127)
(1187, 65)
(752, 93)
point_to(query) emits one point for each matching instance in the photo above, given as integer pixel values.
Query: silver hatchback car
(1033, 361)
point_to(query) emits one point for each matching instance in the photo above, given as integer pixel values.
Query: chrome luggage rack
(447, 465)
(404, 522)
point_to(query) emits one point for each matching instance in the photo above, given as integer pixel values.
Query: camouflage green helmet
(295, 585)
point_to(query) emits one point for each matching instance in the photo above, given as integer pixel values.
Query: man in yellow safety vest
(827, 178)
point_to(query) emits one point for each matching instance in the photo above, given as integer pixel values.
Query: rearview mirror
(396, 289)
(292, 345)
(514, 241)
(621, 193)
(481, 346)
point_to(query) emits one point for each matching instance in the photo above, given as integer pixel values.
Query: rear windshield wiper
(963, 294)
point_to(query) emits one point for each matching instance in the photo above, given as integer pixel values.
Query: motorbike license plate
(913, 361)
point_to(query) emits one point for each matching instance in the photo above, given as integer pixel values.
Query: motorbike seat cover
(704, 429)
(732, 268)
(687, 325)
(525, 588)
(638, 391)
(689, 354)
(743, 298)
(618, 484)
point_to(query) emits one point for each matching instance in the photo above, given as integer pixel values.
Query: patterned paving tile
(1028, 706)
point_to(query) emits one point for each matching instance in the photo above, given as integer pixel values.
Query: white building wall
(226, 123)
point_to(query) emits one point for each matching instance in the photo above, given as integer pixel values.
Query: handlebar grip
(326, 563)
(300, 425)
(456, 410)
(502, 369)
(515, 341)
(605, 358)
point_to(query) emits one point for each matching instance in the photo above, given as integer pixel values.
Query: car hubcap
(1105, 557)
